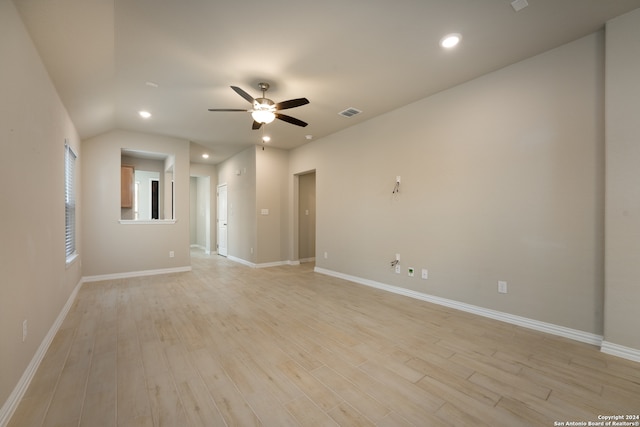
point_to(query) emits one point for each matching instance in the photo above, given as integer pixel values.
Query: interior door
(222, 220)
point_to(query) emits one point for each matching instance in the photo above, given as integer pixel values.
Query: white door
(222, 220)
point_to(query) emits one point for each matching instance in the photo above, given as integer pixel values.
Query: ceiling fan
(265, 110)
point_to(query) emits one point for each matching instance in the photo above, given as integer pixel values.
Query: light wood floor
(230, 345)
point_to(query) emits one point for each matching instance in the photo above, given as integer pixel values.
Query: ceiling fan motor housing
(264, 104)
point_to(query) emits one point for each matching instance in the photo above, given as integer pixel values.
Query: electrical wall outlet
(502, 286)
(425, 273)
(398, 271)
(171, 254)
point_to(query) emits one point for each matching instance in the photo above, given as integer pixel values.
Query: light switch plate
(502, 286)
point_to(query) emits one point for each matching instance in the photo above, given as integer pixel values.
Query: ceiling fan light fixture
(263, 116)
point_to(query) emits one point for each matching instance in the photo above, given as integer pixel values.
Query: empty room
(362, 213)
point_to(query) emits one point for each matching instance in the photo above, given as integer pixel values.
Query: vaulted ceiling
(177, 58)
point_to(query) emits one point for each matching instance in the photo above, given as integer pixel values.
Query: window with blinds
(69, 203)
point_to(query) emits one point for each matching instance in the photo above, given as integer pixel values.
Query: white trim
(71, 259)
(620, 351)
(273, 264)
(240, 261)
(262, 265)
(537, 325)
(10, 406)
(129, 274)
(206, 252)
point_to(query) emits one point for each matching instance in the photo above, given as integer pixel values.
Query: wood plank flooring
(227, 345)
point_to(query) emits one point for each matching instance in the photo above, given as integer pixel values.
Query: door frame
(218, 211)
(296, 216)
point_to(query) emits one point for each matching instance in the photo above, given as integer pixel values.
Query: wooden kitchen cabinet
(126, 186)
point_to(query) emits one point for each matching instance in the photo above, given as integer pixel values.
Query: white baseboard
(202, 248)
(537, 325)
(129, 274)
(10, 406)
(261, 265)
(241, 261)
(620, 351)
(272, 264)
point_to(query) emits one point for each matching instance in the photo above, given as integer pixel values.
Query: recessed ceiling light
(518, 5)
(266, 138)
(151, 84)
(205, 156)
(309, 137)
(144, 114)
(450, 40)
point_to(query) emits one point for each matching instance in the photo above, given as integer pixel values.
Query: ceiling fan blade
(227, 109)
(256, 125)
(291, 103)
(243, 94)
(291, 120)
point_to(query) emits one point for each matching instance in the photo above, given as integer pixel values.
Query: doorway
(307, 217)
(221, 221)
(200, 213)
(155, 199)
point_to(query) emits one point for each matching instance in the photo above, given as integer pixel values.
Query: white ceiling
(374, 55)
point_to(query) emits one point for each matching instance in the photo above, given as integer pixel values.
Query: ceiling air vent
(350, 112)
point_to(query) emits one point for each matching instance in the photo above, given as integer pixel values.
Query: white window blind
(69, 201)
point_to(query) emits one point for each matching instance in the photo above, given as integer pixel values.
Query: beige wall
(34, 282)
(115, 248)
(257, 180)
(502, 178)
(622, 297)
(271, 194)
(239, 174)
